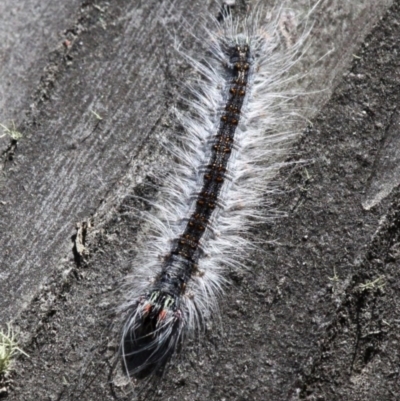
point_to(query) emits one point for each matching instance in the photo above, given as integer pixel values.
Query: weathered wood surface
(29, 32)
(117, 61)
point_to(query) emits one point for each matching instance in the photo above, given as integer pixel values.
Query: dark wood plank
(119, 63)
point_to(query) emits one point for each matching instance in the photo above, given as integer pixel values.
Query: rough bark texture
(317, 315)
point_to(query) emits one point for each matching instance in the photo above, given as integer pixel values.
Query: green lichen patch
(8, 350)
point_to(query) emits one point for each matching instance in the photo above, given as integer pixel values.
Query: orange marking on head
(162, 315)
(147, 308)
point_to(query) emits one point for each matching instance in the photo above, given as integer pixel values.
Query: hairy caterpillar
(236, 137)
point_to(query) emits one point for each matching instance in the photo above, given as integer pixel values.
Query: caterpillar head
(151, 334)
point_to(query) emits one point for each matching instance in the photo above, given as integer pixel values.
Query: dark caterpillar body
(153, 329)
